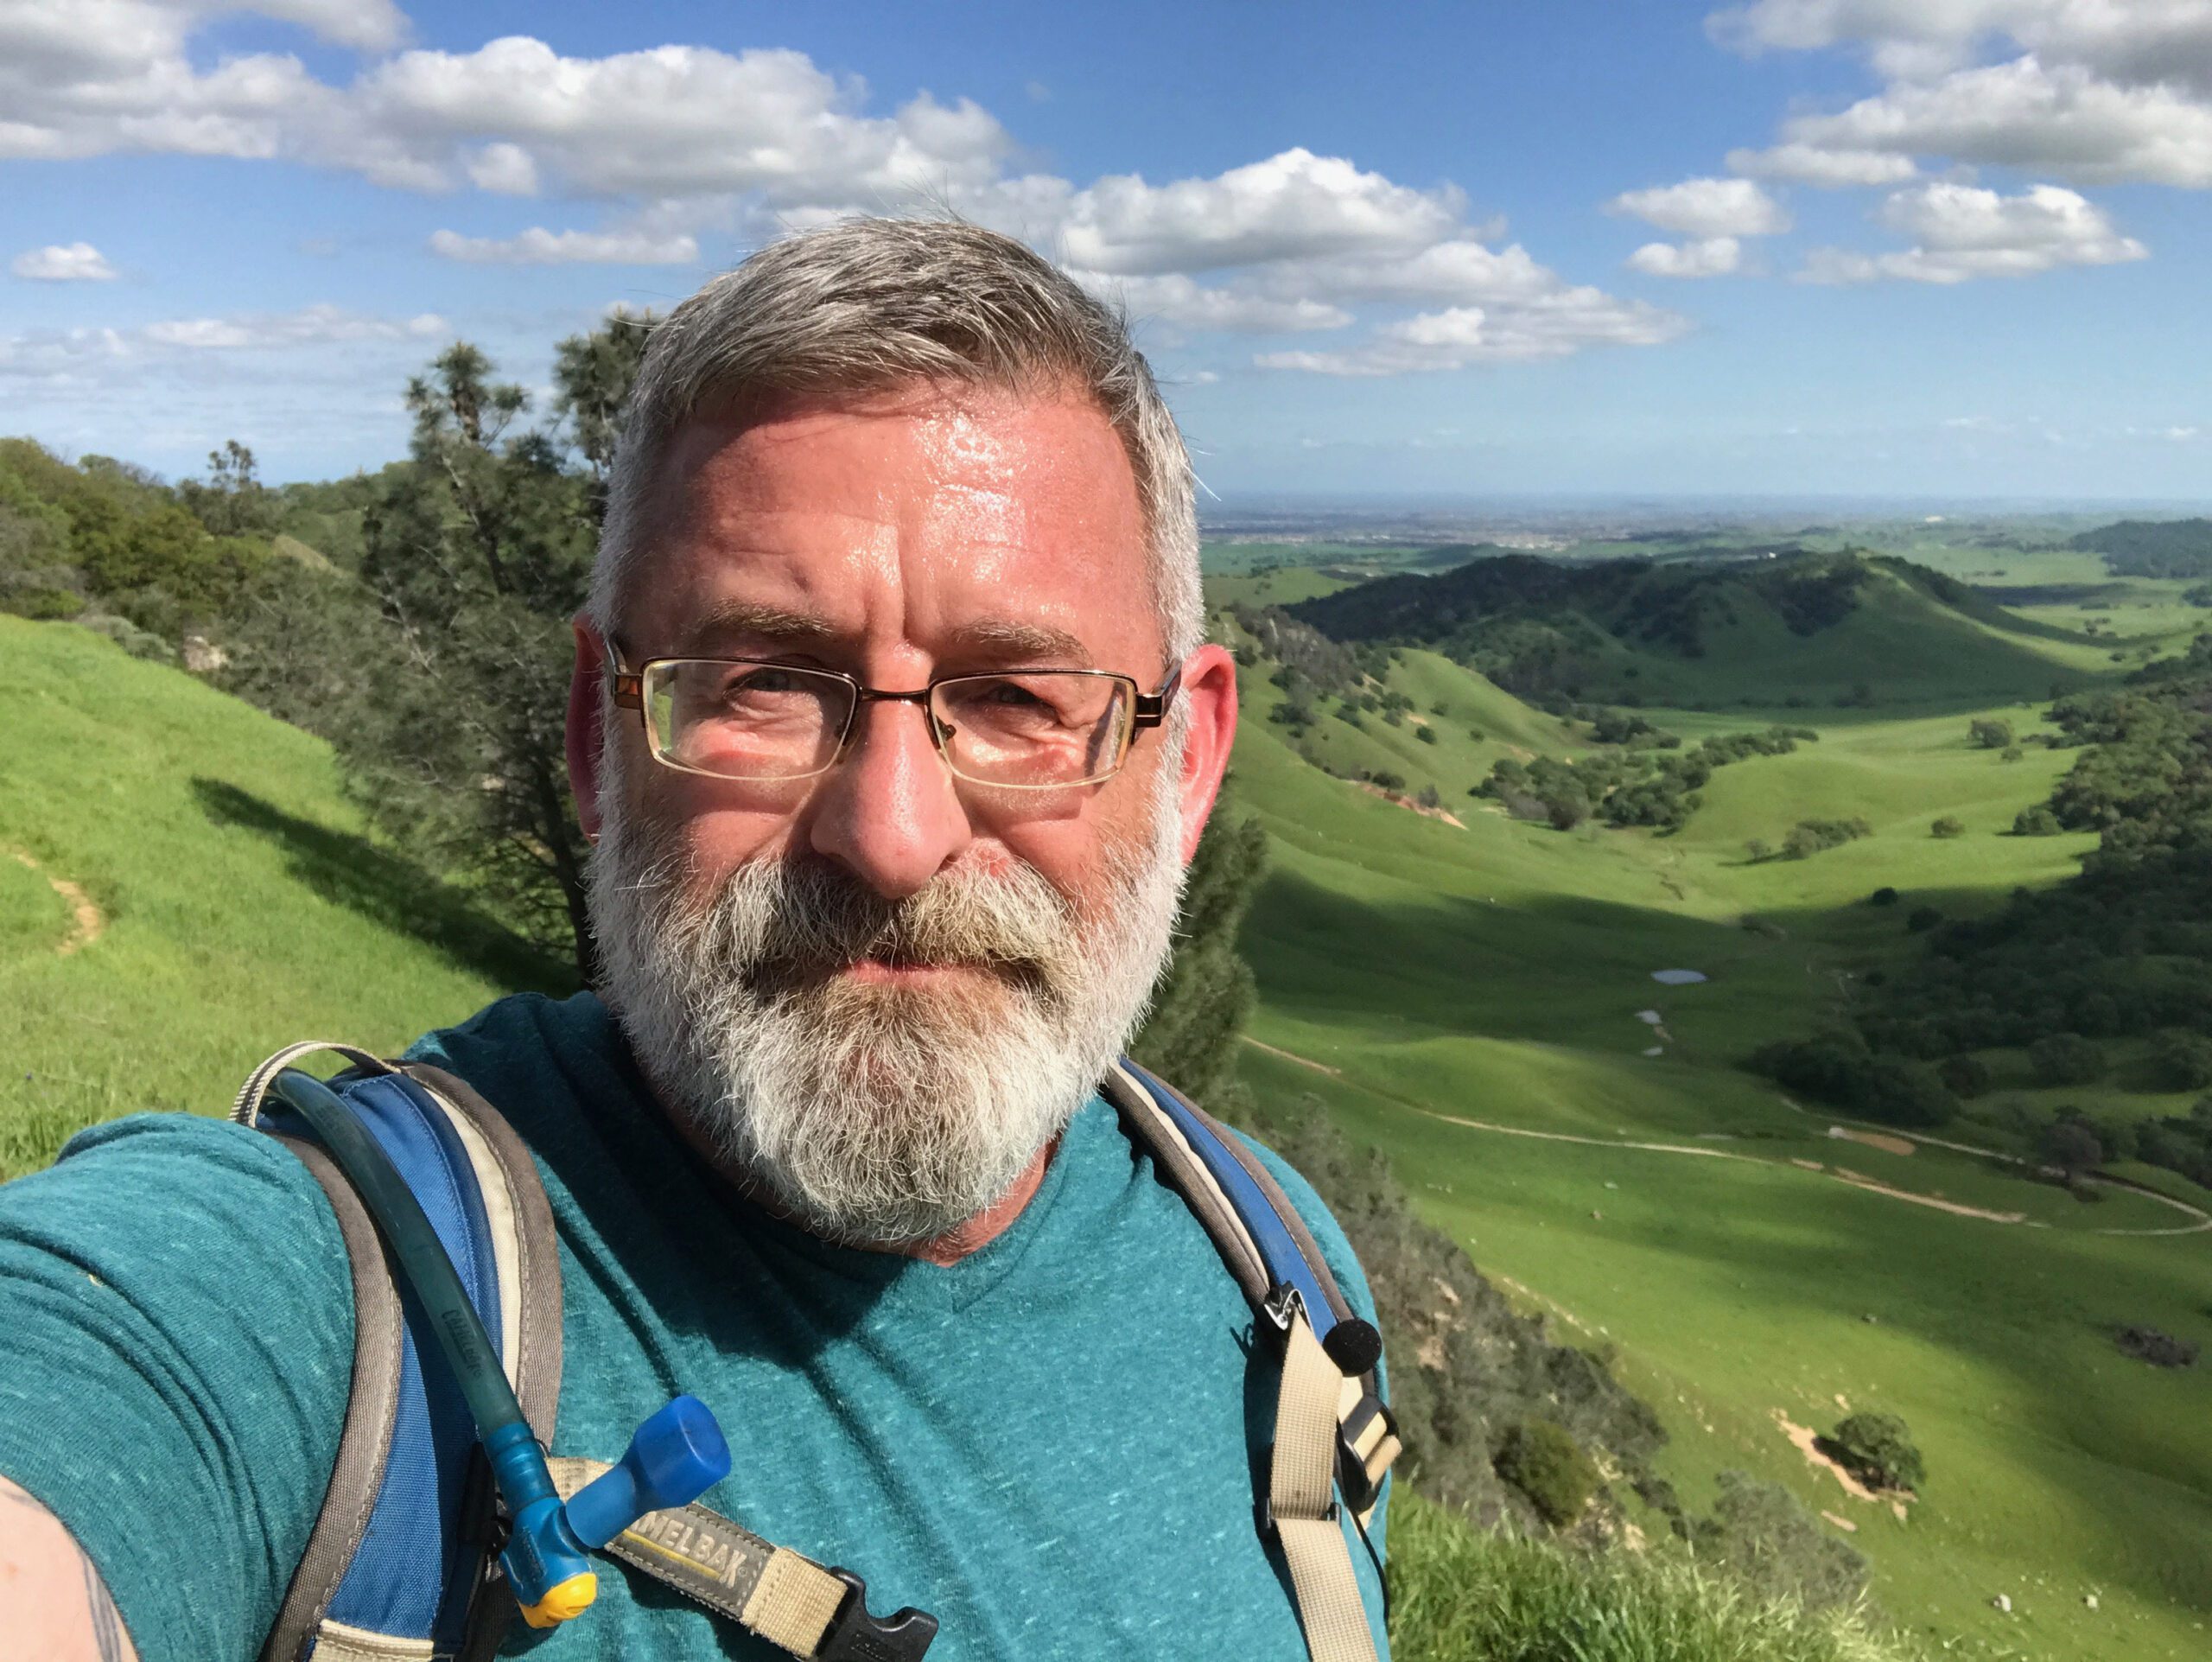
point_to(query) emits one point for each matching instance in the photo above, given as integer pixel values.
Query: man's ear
(587, 728)
(1209, 691)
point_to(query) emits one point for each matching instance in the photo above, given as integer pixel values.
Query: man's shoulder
(526, 1053)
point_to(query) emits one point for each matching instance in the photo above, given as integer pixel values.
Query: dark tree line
(2121, 952)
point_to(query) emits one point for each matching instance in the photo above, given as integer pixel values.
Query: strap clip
(1283, 1305)
(854, 1635)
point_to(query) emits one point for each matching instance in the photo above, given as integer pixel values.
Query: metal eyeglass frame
(1147, 709)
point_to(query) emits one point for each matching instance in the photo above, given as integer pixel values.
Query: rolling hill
(1807, 630)
(1478, 1002)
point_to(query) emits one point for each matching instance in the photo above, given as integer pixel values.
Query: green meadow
(235, 901)
(1476, 1000)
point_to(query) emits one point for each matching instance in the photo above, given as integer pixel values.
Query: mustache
(775, 923)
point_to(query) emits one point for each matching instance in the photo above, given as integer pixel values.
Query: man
(894, 722)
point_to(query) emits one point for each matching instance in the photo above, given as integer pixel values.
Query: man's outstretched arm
(57, 1605)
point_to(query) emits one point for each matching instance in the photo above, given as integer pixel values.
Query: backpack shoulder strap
(1333, 1432)
(397, 1565)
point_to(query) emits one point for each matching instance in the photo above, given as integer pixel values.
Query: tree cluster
(1658, 787)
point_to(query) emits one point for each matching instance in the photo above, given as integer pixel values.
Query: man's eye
(765, 680)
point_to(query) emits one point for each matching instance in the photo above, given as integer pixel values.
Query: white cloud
(538, 246)
(2060, 120)
(688, 138)
(1293, 206)
(2087, 91)
(315, 325)
(105, 76)
(1810, 164)
(505, 169)
(71, 262)
(1562, 322)
(1174, 298)
(2138, 42)
(1961, 232)
(1706, 208)
(1706, 256)
(97, 356)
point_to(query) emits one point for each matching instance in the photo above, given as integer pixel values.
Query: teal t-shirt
(1051, 1445)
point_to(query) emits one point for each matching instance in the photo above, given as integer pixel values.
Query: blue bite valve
(676, 1457)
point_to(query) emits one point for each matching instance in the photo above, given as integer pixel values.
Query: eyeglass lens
(758, 721)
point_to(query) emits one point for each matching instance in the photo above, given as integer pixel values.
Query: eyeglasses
(744, 718)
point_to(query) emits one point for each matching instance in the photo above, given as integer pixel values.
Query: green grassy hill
(183, 888)
(1475, 1002)
(1816, 630)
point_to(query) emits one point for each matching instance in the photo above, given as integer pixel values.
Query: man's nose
(888, 811)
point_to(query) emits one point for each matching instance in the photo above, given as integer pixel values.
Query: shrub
(1883, 896)
(1810, 837)
(1841, 1071)
(2072, 1146)
(1383, 779)
(2066, 1058)
(1464, 1594)
(1879, 1451)
(1763, 1537)
(1991, 734)
(1758, 849)
(1430, 797)
(2183, 1061)
(1476, 735)
(1426, 735)
(1964, 1076)
(1541, 1460)
(1948, 825)
(2034, 822)
(2159, 1349)
(2013, 753)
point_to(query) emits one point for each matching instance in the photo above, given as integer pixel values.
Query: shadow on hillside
(389, 890)
(1530, 970)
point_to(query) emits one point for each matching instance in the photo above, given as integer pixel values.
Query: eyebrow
(758, 623)
(1003, 638)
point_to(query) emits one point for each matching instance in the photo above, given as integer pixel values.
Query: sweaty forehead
(910, 515)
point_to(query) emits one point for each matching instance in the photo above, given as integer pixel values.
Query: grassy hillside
(198, 892)
(1469, 999)
(1817, 630)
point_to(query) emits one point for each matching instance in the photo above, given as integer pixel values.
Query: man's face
(883, 989)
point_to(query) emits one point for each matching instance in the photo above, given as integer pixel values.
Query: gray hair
(867, 304)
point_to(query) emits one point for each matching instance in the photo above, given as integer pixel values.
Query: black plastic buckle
(1359, 1491)
(856, 1636)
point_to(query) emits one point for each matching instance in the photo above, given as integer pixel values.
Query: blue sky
(1950, 248)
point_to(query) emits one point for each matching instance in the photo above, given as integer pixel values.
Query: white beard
(879, 1115)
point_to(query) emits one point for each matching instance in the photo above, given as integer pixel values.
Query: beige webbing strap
(247, 1108)
(794, 1603)
(1301, 1495)
(783, 1596)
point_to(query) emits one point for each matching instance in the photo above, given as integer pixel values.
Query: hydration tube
(674, 1457)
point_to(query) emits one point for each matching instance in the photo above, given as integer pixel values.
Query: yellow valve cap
(563, 1602)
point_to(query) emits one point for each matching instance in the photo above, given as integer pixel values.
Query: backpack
(402, 1564)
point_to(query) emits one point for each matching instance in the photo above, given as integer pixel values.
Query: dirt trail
(1292, 1056)
(87, 922)
(1410, 805)
(2202, 1220)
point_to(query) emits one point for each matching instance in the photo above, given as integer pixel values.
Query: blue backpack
(402, 1563)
